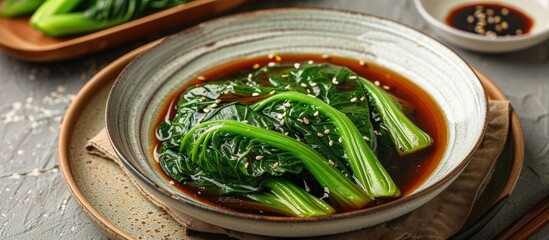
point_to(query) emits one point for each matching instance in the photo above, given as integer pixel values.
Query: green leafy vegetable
(203, 145)
(69, 17)
(366, 168)
(239, 135)
(16, 8)
(285, 198)
(405, 136)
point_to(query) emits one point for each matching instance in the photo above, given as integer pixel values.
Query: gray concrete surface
(36, 204)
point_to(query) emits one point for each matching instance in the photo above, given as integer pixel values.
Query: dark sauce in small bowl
(490, 20)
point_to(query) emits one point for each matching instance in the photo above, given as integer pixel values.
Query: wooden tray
(115, 205)
(20, 40)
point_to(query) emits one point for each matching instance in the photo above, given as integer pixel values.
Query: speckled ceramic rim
(104, 77)
(444, 180)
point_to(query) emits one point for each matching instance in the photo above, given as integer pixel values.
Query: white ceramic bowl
(436, 11)
(138, 95)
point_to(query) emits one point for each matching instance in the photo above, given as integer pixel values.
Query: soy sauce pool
(407, 172)
(490, 20)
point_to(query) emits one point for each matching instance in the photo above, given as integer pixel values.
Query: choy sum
(242, 136)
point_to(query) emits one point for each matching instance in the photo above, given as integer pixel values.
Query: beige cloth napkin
(440, 218)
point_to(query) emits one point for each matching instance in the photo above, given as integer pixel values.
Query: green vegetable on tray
(17, 8)
(243, 137)
(58, 18)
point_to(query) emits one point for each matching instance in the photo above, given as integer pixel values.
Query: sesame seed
(313, 84)
(334, 81)
(303, 85)
(250, 76)
(504, 11)
(285, 75)
(366, 138)
(280, 116)
(315, 114)
(310, 62)
(256, 66)
(354, 99)
(305, 120)
(497, 19)
(246, 165)
(340, 140)
(213, 105)
(310, 95)
(258, 157)
(217, 101)
(331, 162)
(331, 143)
(308, 91)
(288, 86)
(325, 56)
(470, 19)
(287, 104)
(203, 99)
(377, 83)
(362, 99)
(353, 77)
(327, 131)
(504, 25)
(319, 134)
(386, 87)
(271, 64)
(300, 120)
(286, 133)
(282, 122)
(297, 65)
(201, 78)
(376, 133)
(362, 63)
(272, 92)
(278, 58)
(206, 110)
(255, 94)
(297, 139)
(276, 165)
(271, 55)
(172, 182)
(518, 31)
(244, 121)
(490, 12)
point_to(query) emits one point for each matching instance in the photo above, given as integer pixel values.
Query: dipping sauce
(490, 20)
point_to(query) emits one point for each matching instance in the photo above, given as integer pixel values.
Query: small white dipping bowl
(143, 88)
(436, 11)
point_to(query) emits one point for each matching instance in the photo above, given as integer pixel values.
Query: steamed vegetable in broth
(292, 138)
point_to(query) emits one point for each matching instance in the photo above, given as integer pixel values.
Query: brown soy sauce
(407, 172)
(490, 20)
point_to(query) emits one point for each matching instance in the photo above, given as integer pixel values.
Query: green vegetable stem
(59, 18)
(199, 145)
(366, 167)
(405, 135)
(286, 198)
(17, 8)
